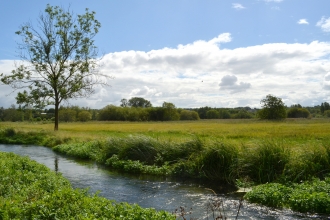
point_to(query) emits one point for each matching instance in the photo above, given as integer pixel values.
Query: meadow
(241, 152)
(238, 131)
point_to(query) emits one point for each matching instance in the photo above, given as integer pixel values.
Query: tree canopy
(138, 102)
(272, 108)
(59, 59)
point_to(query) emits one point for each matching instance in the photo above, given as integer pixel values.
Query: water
(158, 193)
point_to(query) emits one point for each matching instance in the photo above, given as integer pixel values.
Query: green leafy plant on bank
(310, 196)
(29, 190)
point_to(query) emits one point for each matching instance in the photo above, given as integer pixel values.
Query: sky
(195, 53)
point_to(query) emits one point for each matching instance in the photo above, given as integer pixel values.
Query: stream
(147, 191)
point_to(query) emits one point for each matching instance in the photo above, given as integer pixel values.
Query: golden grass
(236, 131)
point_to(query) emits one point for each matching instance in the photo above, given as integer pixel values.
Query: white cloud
(202, 73)
(238, 6)
(303, 21)
(324, 24)
(229, 82)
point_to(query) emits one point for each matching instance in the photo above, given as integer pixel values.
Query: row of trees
(140, 109)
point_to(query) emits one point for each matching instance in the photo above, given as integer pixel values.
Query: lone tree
(272, 108)
(59, 59)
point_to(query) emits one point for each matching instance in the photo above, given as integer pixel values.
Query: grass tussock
(264, 162)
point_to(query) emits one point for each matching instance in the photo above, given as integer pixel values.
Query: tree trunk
(56, 116)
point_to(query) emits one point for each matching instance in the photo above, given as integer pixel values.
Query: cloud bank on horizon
(206, 73)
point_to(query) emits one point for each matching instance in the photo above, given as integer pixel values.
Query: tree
(170, 112)
(139, 102)
(12, 114)
(67, 115)
(124, 103)
(59, 59)
(84, 116)
(272, 108)
(324, 107)
(212, 114)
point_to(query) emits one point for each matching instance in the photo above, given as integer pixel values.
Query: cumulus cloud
(238, 6)
(303, 21)
(203, 73)
(229, 82)
(326, 82)
(324, 24)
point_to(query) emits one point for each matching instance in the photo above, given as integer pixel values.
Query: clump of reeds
(219, 161)
(264, 162)
(308, 162)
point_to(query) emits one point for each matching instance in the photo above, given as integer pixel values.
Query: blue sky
(197, 53)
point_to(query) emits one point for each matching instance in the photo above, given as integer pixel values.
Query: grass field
(236, 131)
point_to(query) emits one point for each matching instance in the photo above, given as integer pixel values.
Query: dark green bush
(189, 115)
(298, 113)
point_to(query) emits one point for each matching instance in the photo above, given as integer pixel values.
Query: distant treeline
(139, 109)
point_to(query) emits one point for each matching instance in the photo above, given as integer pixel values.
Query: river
(159, 193)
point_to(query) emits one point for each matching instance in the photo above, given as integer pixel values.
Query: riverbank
(30, 190)
(254, 153)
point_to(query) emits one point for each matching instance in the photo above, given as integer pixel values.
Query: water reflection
(161, 194)
(56, 163)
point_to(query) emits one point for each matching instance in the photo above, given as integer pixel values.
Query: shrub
(189, 115)
(212, 114)
(298, 113)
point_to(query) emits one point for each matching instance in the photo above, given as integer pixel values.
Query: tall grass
(226, 150)
(264, 162)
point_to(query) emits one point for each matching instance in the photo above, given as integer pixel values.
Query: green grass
(29, 190)
(235, 151)
(226, 150)
(237, 131)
